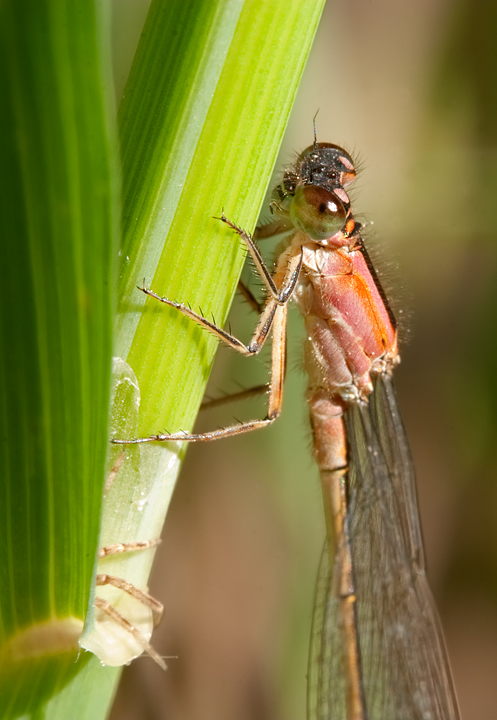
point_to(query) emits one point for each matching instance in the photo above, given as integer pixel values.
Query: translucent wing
(405, 672)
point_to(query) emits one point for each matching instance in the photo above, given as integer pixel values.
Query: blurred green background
(410, 90)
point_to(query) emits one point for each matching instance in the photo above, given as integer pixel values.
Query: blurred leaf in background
(455, 170)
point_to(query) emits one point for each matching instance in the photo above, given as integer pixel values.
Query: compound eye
(318, 212)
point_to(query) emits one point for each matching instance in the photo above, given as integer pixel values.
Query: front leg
(281, 294)
(258, 339)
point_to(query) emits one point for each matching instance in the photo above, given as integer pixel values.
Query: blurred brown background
(411, 89)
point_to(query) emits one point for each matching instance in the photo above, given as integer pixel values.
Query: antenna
(314, 125)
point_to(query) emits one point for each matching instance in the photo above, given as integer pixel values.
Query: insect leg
(156, 607)
(250, 298)
(127, 547)
(237, 396)
(278, 294)
(120, 620)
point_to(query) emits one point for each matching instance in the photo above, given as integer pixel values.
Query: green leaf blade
(221, 158)
(59, 214)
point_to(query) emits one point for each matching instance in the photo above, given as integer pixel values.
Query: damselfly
(377, 650)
